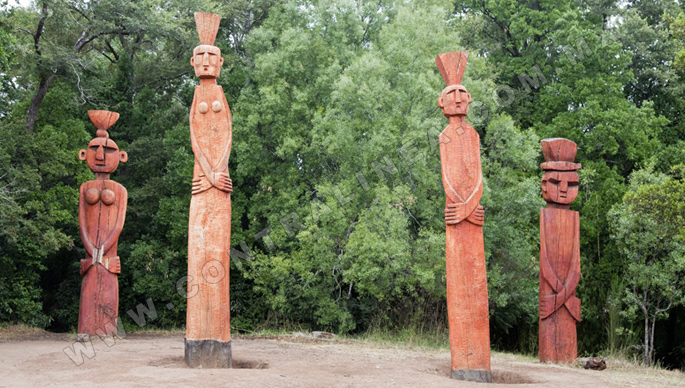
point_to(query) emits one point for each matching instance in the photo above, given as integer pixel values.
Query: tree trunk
(646, 353)
(651, 340)
(43, 87)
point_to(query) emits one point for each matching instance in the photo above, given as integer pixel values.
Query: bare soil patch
(156, 359)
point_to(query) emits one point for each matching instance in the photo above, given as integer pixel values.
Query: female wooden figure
(208, 330)
(102, 208)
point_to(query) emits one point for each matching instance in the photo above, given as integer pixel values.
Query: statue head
(102, 154)
(560, 186)
(560, 180)
(454, 101)
(206, 59)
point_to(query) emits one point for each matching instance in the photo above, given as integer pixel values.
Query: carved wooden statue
(467, 289)
(208, 330)
(559, 253)
(102, 208)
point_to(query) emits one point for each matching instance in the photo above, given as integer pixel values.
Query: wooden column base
(479, 376)
(208, 354)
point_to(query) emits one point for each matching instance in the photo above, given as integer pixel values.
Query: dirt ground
(145, 360)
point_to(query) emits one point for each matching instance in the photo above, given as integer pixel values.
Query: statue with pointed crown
(467, 288)
(208, 330)
(559, 253)
(102, 208)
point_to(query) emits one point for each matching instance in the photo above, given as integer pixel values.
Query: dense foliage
(338, 201)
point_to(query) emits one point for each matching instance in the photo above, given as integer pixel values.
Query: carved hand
(85, 265)
(114, 264)
(452, 212)
(547, 305)
(223, 182)
(478, 216)
(200, 184)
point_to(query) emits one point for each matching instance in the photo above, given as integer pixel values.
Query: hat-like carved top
(103, 119)
(559, 154)
(207, 27)
(452, 66)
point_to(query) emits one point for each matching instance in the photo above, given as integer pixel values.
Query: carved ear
(192, 61)
(440, 104)
(82, 155)
(123, 156)
(221, 61)
(469, 94)
(544, 186)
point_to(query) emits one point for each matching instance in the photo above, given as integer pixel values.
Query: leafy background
(337, 209)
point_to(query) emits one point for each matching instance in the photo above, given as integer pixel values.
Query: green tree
(648, 228)
(678, 31)
(343, 104)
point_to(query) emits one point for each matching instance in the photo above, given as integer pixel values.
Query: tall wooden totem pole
(208, 330)
(467, 288)
(102, 208)
(559, 253)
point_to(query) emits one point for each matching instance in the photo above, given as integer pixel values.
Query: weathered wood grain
(559, 308)
(102, 209)
(208, 329)
(467, 289)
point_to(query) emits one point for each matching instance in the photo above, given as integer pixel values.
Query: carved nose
(563, 186)
(205, 60)
(100, 154)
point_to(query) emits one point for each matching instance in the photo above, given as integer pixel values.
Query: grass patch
(20, 332)
(407, 337)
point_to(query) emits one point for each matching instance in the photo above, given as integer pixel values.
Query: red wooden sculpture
(467, 289)
(559, 253)
(102, 208)
(208, 330)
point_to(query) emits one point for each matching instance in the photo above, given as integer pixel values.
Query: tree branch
(27, 31)
(82, 41)
(39, 29)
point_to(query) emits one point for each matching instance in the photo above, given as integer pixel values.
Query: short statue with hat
(102, 209)
(559, 253)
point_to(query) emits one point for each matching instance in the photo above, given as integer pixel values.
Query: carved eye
(553, 181)
(109, 150)
(572, 183)
(93, 148)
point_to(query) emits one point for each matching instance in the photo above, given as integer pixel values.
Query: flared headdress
(207, 27)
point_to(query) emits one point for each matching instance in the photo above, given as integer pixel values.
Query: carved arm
(113, 235)
(82, 220)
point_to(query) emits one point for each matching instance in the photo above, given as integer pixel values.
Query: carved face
(560, 186)
(455, 103)
(207, 61)
(103, 155)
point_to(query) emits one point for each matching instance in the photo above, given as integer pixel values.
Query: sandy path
(144, 361)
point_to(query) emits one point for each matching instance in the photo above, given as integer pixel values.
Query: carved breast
(210, 122)
(94, 196)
